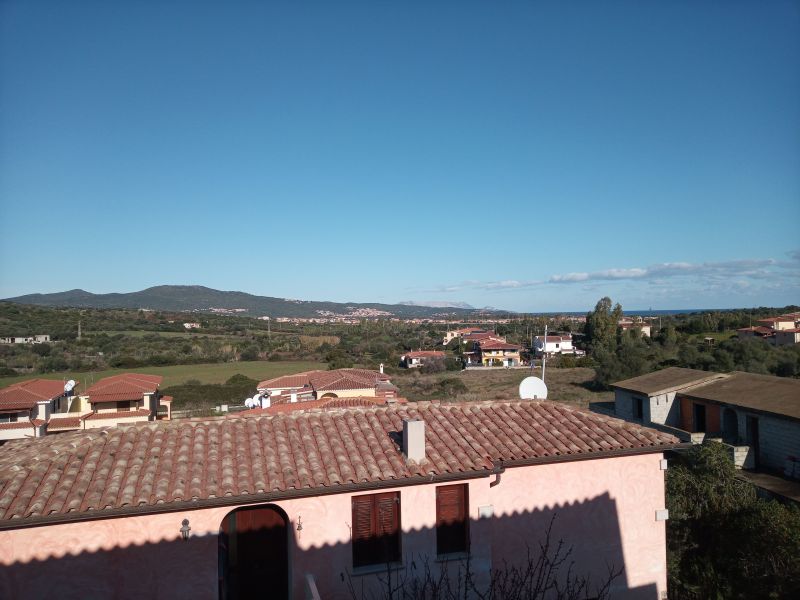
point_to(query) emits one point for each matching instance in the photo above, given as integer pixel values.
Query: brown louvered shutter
(387, 508)
(363, 529)
(452, 522)
(376, 529)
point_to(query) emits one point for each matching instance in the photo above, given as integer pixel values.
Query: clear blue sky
(525, 155)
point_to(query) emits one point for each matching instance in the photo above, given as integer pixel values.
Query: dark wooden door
(699, 418)
(753, 439)
(256, 558)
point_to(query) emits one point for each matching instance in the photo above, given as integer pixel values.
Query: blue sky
(526, 155)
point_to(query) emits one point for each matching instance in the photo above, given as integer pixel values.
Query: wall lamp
(185, 529)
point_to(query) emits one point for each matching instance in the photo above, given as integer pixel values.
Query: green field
(177, 374)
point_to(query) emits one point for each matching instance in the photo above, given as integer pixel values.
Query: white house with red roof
(27, 408)
(125, 398)
(555, 345)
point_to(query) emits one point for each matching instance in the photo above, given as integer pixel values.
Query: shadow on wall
(265, 560)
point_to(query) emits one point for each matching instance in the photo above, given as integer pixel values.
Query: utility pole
(544, 350)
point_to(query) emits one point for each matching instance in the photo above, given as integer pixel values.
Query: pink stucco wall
(605, 510)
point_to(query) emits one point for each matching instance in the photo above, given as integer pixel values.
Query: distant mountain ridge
(200, 298)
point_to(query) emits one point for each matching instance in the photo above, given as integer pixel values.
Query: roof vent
(414, 439)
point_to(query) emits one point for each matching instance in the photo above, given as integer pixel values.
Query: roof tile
(163, 462)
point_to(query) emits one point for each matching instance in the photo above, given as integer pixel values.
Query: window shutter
(451, 519)
(376, 529)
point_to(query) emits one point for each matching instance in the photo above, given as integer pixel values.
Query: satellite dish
(532, 388)
(69, 385)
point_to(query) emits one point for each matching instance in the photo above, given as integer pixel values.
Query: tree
(723, 541)
(601, 325)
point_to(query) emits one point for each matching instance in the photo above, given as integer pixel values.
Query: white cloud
(736, 273)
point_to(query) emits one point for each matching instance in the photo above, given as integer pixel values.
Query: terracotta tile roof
(178, 465)
(67, 421)
(762, 330)
(99, 416)
(482, 336)
(25, 394)
(126, 386)
(322, 403)
(496, 345)
(782, 319)
(286, 381)
(425, 354)
(318, 379)
(557, 338)
(17, 425)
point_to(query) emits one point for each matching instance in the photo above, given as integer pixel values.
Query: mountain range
(203, 299)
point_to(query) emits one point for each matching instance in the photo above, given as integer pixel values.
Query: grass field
(177, 374)
(188, 335)
(564, 385)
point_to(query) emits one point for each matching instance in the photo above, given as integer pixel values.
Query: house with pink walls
(331, 503)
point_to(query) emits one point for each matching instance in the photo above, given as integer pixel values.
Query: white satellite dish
(532, 388)
(68, 387)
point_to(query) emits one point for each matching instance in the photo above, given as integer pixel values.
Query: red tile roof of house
(180, 465)
(25, 394)
(126, 386)
(496, 345)
(320, 381)
(782, 319)
(17, 425)
(65, 421)
(321, 403)
(470, 337)
(425, 354)
(762, 330)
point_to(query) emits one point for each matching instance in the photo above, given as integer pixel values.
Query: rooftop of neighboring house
(761, 393)
(556, 338)
(24, 395)
(425, 354)
(320, 381)
(483, 335)
(666, 380)
(174, 465)
(126, 386)
(495, 344)
(631, 325)
(780, 319)
(761, 330)
(329, 403)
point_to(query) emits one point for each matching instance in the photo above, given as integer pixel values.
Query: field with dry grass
(564, 385)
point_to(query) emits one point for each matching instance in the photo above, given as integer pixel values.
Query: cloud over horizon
(735, 272)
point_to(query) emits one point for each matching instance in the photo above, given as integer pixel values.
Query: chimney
(381, 368)
(414, 439)
(293, 397)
